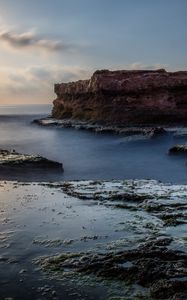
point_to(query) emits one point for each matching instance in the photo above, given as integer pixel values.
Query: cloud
(142, 66)
(57, 74)
(30, 39)
(36, 83)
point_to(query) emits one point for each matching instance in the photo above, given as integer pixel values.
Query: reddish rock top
(125, 97)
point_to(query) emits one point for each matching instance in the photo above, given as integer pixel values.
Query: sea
(38, 219)
(88, 155)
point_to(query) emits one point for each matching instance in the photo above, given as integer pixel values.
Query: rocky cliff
(125, 98)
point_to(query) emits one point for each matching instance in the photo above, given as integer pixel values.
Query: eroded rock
(124, 97)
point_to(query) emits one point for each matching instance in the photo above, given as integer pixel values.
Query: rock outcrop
(152, 266)
(13, 160)
(178, 149)
(125, 97)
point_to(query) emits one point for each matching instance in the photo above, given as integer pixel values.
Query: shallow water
(87, 155)
(37, 220)
(40, 220)
(57, 218)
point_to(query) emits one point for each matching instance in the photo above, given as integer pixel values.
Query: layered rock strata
(125, 97)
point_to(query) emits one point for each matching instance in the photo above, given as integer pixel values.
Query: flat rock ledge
(152, 266)
(13, 159)
(99, 128)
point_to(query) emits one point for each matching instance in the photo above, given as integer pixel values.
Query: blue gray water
(58, 217)
(88, 155)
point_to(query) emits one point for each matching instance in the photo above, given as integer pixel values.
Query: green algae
(173, 220)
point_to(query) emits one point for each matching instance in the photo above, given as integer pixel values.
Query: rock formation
(124, 98)
(13, 160)
(178, 149)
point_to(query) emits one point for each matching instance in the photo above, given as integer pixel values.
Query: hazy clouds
(35, 84)
(142, 66)
(31, 40)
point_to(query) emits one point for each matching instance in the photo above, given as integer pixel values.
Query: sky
(43, 42)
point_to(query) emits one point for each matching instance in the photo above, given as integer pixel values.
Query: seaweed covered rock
(152, 265)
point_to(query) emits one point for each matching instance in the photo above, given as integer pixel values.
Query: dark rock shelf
(178, 149)
(15, 160)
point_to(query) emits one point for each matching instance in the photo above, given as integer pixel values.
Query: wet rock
(174, 219)
(178, 149)
(157, 131)
(22, 271)
(152, 265)
(147, 192)
(143, 132)
(15, 160)
(45, 122)
(164, 289)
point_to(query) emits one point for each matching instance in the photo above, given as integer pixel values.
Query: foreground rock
(164, 201)
(152, 265)
(155, 265)
(12, 159)
(125, 98)
(178, 149)
(93, 239)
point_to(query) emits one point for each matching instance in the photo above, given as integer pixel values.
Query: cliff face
(125, 97)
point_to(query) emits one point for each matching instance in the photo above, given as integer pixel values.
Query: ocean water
(87, 155)
(37, 219)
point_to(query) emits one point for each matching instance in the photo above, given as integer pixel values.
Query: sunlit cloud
(36, 82)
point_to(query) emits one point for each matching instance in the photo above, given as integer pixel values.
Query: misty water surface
(87, 155)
